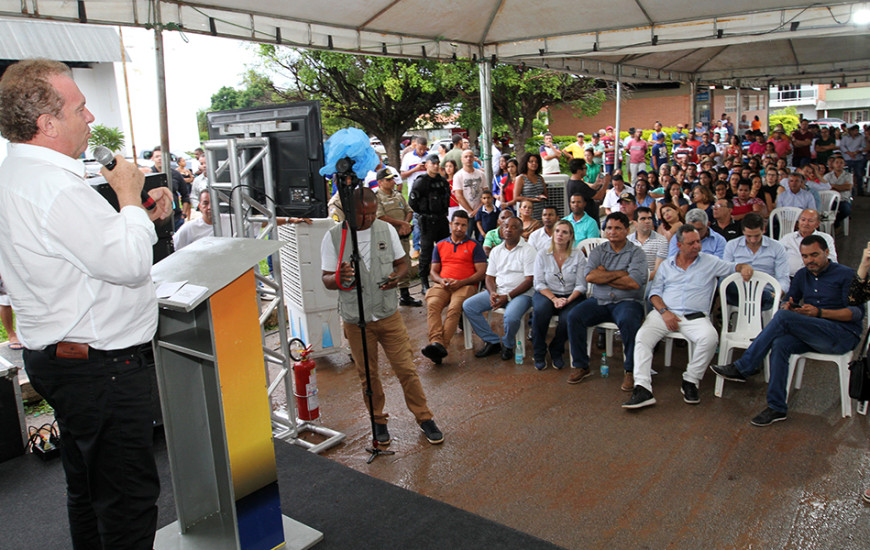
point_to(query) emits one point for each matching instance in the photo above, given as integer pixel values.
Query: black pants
(428, 237)
(103, 409)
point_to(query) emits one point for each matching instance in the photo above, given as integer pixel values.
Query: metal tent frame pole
(485, 72)
(243, 155)
(617, 153)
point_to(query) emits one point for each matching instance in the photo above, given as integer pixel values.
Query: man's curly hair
(25, 94)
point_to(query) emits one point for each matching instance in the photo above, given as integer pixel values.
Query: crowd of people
(662, 238)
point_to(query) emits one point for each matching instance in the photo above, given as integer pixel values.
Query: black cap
(385, 174)
(626, 196)
(596, 134)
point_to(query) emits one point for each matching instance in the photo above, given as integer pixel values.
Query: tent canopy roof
(755, 42)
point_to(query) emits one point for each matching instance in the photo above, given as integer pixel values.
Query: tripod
(347, 182)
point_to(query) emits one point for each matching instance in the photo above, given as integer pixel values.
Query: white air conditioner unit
(312, 310)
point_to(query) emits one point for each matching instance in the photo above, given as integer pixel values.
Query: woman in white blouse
(560, 284)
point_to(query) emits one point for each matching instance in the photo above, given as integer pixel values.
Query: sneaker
(627, 382)
(558, 361)
(578, 375)
(540, 365)
(728, 372)
(431, 351)
(640, 397)
(433, 434)
(487, 350)
(690, 393)
(767, 417)
(382, 435)
(506, 353)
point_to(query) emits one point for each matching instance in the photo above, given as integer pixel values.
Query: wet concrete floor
(567, 464)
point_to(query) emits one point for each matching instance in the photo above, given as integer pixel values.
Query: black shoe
(640, 397)
(382, 435)
(487, 350)
(433, 434)
(441, 349)
(767, 417)
(431, 351)
(506, 353)
(728, 372)
(406, 300)
(690, 393)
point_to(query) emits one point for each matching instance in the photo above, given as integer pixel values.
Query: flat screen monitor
(296, 147)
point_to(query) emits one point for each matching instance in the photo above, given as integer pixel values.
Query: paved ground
(568, 464)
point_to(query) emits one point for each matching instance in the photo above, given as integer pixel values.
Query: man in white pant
(681, 293)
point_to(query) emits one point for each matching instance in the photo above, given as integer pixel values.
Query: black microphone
(105, 157)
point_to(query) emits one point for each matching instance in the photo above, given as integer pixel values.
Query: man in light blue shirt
(795, 195)
(585, 227)
(711, 242)
(762, 253)
(681, 295)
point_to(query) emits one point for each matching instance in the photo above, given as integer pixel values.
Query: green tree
(383, 96)
(256, 90)
(520, 92)
(112, 138)
(787, 117)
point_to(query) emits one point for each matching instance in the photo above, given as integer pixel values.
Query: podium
(216, 412)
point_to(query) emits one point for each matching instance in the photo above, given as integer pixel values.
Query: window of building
(730, 103)
(856, 116)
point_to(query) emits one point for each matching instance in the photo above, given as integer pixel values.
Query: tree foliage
(110, 137)
(787, 117)
(519, 93)
(383, 96)
(256, 90)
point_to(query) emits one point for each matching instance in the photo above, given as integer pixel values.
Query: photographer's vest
(377, 303)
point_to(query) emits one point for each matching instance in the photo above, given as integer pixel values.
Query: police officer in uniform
(430, 198)
(394, 209)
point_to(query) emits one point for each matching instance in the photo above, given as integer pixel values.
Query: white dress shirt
(792, 244)
(76, 270)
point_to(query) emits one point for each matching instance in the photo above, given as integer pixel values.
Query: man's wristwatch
(508, 296)
(663, 310)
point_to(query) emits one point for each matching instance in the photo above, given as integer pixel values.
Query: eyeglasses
(560, 278)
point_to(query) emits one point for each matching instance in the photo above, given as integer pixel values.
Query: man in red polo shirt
(458, 265)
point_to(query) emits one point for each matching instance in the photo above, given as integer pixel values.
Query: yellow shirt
(575, 149)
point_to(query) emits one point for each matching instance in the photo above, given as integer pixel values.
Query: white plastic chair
(828, 211)
(524, 322)
(748, 324)
(587, 245)
(787, 216)
(796, 368)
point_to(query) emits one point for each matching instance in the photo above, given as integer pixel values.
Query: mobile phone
(695, 315)
(385, 281)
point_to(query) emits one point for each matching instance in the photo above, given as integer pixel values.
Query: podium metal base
(213, 534)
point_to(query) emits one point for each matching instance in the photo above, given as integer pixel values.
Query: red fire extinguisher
(304, 381)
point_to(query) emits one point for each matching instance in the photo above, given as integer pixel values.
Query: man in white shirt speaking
(79, 276)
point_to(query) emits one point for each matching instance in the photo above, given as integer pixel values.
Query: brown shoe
(578, 375)
(627, 382)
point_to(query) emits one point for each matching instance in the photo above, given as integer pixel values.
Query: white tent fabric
(755, 42)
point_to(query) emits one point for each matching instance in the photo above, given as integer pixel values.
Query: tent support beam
(485, 73)
(617, 154)
(162, 111)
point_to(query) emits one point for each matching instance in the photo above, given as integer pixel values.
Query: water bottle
(605, 370)
(519, 351)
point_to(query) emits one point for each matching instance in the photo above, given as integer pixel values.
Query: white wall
(98, 85)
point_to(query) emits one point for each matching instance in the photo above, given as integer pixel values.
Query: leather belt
(75, 350)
